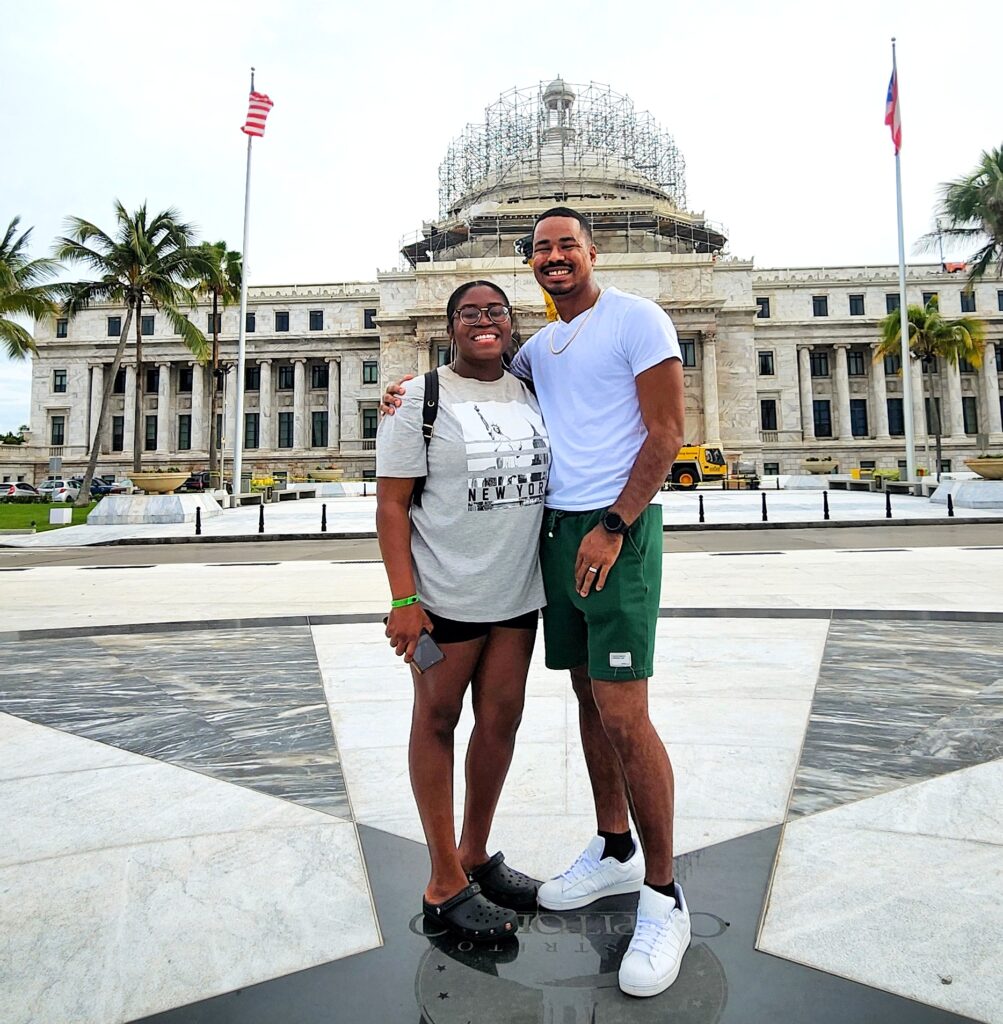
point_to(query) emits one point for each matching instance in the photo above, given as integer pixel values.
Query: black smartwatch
(613, 523)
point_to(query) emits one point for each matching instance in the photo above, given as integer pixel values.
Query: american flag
(257, 110)
(893, 116)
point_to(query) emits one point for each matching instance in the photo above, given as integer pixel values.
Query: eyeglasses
(470, 315)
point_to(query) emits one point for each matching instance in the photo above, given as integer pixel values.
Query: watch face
(612, 522)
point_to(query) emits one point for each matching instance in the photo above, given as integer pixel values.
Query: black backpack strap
(429, 410)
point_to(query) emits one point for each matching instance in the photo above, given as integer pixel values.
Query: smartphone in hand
(426, 653)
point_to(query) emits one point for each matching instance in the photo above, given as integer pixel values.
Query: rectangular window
(119, 388)
(316, 319)
(62, 325)
(185, 432)
(249, 324)
(999, 300)
(57, 430)
(768, 414)
(892, 302)
(318, 429)
(945, 465)
(858, 417)
(285, 430)
(856, 305)
(370, 371)
(823, 417)
(282, 324)
(763, 312)
(186, 379)
(117, 433)
(928, 297)
(868, 464)
(146, 325)
(59, 382)
(151, 434)
(287, 378)
(441, 355)
(318, 375)
(968, 301)
(370, 421)
(766, 364)
(856, 366)
(771, 469)
(252, 425)
(964, 366)
(896, 418)
(970, 411)
(929, 415)
(369, 319)
(999, 358)
(219, 431)
(820, 305)
(152, 379)
(209, 322)
(930, 364)
(252, 378)
(819, 360)
(114, 327)
(688, 350)
(892, 365)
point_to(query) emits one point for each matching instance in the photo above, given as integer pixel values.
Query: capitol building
(778, 363)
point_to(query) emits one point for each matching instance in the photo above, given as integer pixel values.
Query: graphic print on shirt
(508, 454)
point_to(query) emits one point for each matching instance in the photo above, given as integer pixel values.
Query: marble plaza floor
(207, 817)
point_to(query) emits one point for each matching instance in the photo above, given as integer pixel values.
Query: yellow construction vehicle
(695, 463)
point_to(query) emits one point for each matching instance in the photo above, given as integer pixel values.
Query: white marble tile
(731, 722)
(857, 894)
(24, 752)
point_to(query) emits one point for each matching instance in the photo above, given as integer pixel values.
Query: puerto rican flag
(893, 116)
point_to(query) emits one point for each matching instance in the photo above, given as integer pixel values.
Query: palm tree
(972, 211)
(149, 260)
(932, 337)
(222, 282)
(24, 290)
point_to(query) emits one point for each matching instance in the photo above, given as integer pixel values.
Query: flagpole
(907, 410)
(238, 430)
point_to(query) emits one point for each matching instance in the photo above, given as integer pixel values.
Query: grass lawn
(21, 517)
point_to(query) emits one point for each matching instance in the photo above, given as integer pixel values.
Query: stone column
(333, 401)
(879, 397)
(299, 401)
(97, 392)
(807, 396)
(919, 412)
(711, 410)
(128, 410)
(266, 434)
(842, 382)
(164, 410)
(991, 390)
(200, 436)
(955, 410)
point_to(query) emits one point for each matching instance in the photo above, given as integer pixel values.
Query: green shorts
(612, 631)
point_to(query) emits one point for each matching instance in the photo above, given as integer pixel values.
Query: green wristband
(405, 601)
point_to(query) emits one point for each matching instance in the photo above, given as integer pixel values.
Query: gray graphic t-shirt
(474, 540)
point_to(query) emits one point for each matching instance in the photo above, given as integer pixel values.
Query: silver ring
(592, 568)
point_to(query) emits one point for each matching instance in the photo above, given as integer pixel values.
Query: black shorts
(451, 631)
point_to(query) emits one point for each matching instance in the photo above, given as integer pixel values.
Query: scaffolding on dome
(590, 121)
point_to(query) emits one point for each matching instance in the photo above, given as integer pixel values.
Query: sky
(777, 107)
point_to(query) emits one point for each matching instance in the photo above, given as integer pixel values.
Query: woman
(463, 567)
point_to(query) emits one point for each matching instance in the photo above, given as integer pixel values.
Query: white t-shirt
(588, 395)
(474, 540)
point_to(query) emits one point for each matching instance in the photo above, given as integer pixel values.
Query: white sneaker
(661, 937)
(590, 879)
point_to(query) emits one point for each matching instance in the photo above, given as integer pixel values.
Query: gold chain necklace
(578, 329)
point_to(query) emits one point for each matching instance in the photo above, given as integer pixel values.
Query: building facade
(778, 364)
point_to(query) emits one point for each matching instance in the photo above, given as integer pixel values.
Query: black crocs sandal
(504, 885)
(472, 916)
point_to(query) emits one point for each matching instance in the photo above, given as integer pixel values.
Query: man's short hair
(566, 211)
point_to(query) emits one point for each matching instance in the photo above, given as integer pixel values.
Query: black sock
(618, 844)
(666, 890)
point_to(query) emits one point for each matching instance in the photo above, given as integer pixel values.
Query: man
(608, 377)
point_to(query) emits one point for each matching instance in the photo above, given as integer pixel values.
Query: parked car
(200, 482)
(19, 490)
(57, 489)
(99, 486)
(121, 485)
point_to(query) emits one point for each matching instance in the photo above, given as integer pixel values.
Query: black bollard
(950, 504)
(888, 504)
(323, 518)
(764, 508)
(825, 504)
(261, 518)
(701, 508)
(778, 483)
(724, 483)
(198, 522)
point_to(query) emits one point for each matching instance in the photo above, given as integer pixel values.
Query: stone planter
(326, 476)
(158, 483)
(988, 469)
(819, 466)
